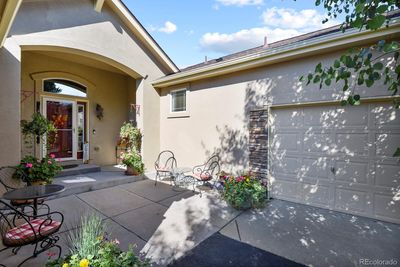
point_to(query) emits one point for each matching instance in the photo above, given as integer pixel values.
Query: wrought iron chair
(206, 172)
(9, 183)
(19, 229)
(165, 165)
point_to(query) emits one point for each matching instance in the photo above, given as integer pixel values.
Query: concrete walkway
(166, 223)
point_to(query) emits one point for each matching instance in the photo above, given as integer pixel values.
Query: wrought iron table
(179, 175)
(34, 192)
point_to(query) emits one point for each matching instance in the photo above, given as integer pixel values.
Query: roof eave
(335, 41)
(7, 18)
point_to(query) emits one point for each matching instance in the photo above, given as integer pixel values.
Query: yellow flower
(65, 265)
(84, 263)
(247, 180)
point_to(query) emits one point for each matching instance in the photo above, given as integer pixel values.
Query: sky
(190, 30)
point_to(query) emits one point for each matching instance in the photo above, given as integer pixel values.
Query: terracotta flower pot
(131, 171)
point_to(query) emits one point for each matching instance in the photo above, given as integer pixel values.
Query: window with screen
(178, 101)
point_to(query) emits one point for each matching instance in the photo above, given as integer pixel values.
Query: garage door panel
(387, 207)
(351, 172)
(285, 189)
(387, 175)
(339, 157)
(288, 118)
(352, 116)
(315, 168)
(317, 142)
(287, 165)
(286, 142)
(315, 194)
(320, 117)
(354, 144)
(386, 143)
(385, 115)
(351, 200)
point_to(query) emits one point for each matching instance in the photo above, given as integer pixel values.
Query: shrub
(244, 192)
(131, 136)
(34, 169)
(133, 159)
(90, 246)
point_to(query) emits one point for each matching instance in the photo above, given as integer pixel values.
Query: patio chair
(8, 183)
(165, 164)
(206, 172)
(19, 229)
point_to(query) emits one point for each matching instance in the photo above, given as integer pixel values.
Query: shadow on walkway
(219, 250)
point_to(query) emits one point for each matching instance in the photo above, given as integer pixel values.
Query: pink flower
(51, 254)
(29, 165)
(52, 156)
(49, 162)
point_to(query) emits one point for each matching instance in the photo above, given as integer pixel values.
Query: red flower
(52, 156)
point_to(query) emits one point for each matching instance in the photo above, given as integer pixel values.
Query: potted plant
(91, 246)
(38, 127)
(130, 136)
(133, 162)
(244, 191)
(38, 171)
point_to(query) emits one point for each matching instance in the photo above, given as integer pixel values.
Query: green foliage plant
(38, 127)
(91, 246)
(244, 191)
(38, 170)
(132, 159)
(131, 136)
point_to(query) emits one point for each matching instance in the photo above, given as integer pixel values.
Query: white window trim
(179, 114)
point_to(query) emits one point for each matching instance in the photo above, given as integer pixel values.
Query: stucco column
(148, 120)
(10, 94)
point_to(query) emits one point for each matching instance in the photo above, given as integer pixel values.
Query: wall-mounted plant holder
(99, 112)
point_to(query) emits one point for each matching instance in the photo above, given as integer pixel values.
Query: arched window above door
(64, 87)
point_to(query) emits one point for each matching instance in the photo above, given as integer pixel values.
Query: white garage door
(338, 158)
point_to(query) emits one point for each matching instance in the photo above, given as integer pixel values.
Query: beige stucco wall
(10, 67)
(110, 90)
(218, 109)
(73, 26)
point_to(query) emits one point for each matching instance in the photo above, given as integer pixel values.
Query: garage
(335, 157)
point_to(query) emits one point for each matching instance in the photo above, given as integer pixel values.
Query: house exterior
(102, 57)
(249, 107)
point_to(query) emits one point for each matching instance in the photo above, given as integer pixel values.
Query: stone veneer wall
(258, 142)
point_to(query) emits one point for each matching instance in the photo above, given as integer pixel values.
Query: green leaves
(376, 22)
(378, 66)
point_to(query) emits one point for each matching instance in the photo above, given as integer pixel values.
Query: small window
(64, 87)
(178, 101)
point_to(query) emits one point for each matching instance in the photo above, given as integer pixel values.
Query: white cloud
(241, 2)
(279, 24)
(243, 39)
(287, 18)
(169, 27)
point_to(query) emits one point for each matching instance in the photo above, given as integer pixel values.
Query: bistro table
(179, 174)
(34, 192)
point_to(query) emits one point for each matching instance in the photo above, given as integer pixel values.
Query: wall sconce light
(99, 112)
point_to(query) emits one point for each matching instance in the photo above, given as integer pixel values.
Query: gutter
(330, 42)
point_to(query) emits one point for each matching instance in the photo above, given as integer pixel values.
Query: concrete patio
(166, 223)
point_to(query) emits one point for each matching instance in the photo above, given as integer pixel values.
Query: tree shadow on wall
(233, 145)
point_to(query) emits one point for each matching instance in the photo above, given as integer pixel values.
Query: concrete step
(93, 181)
(80, 169)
